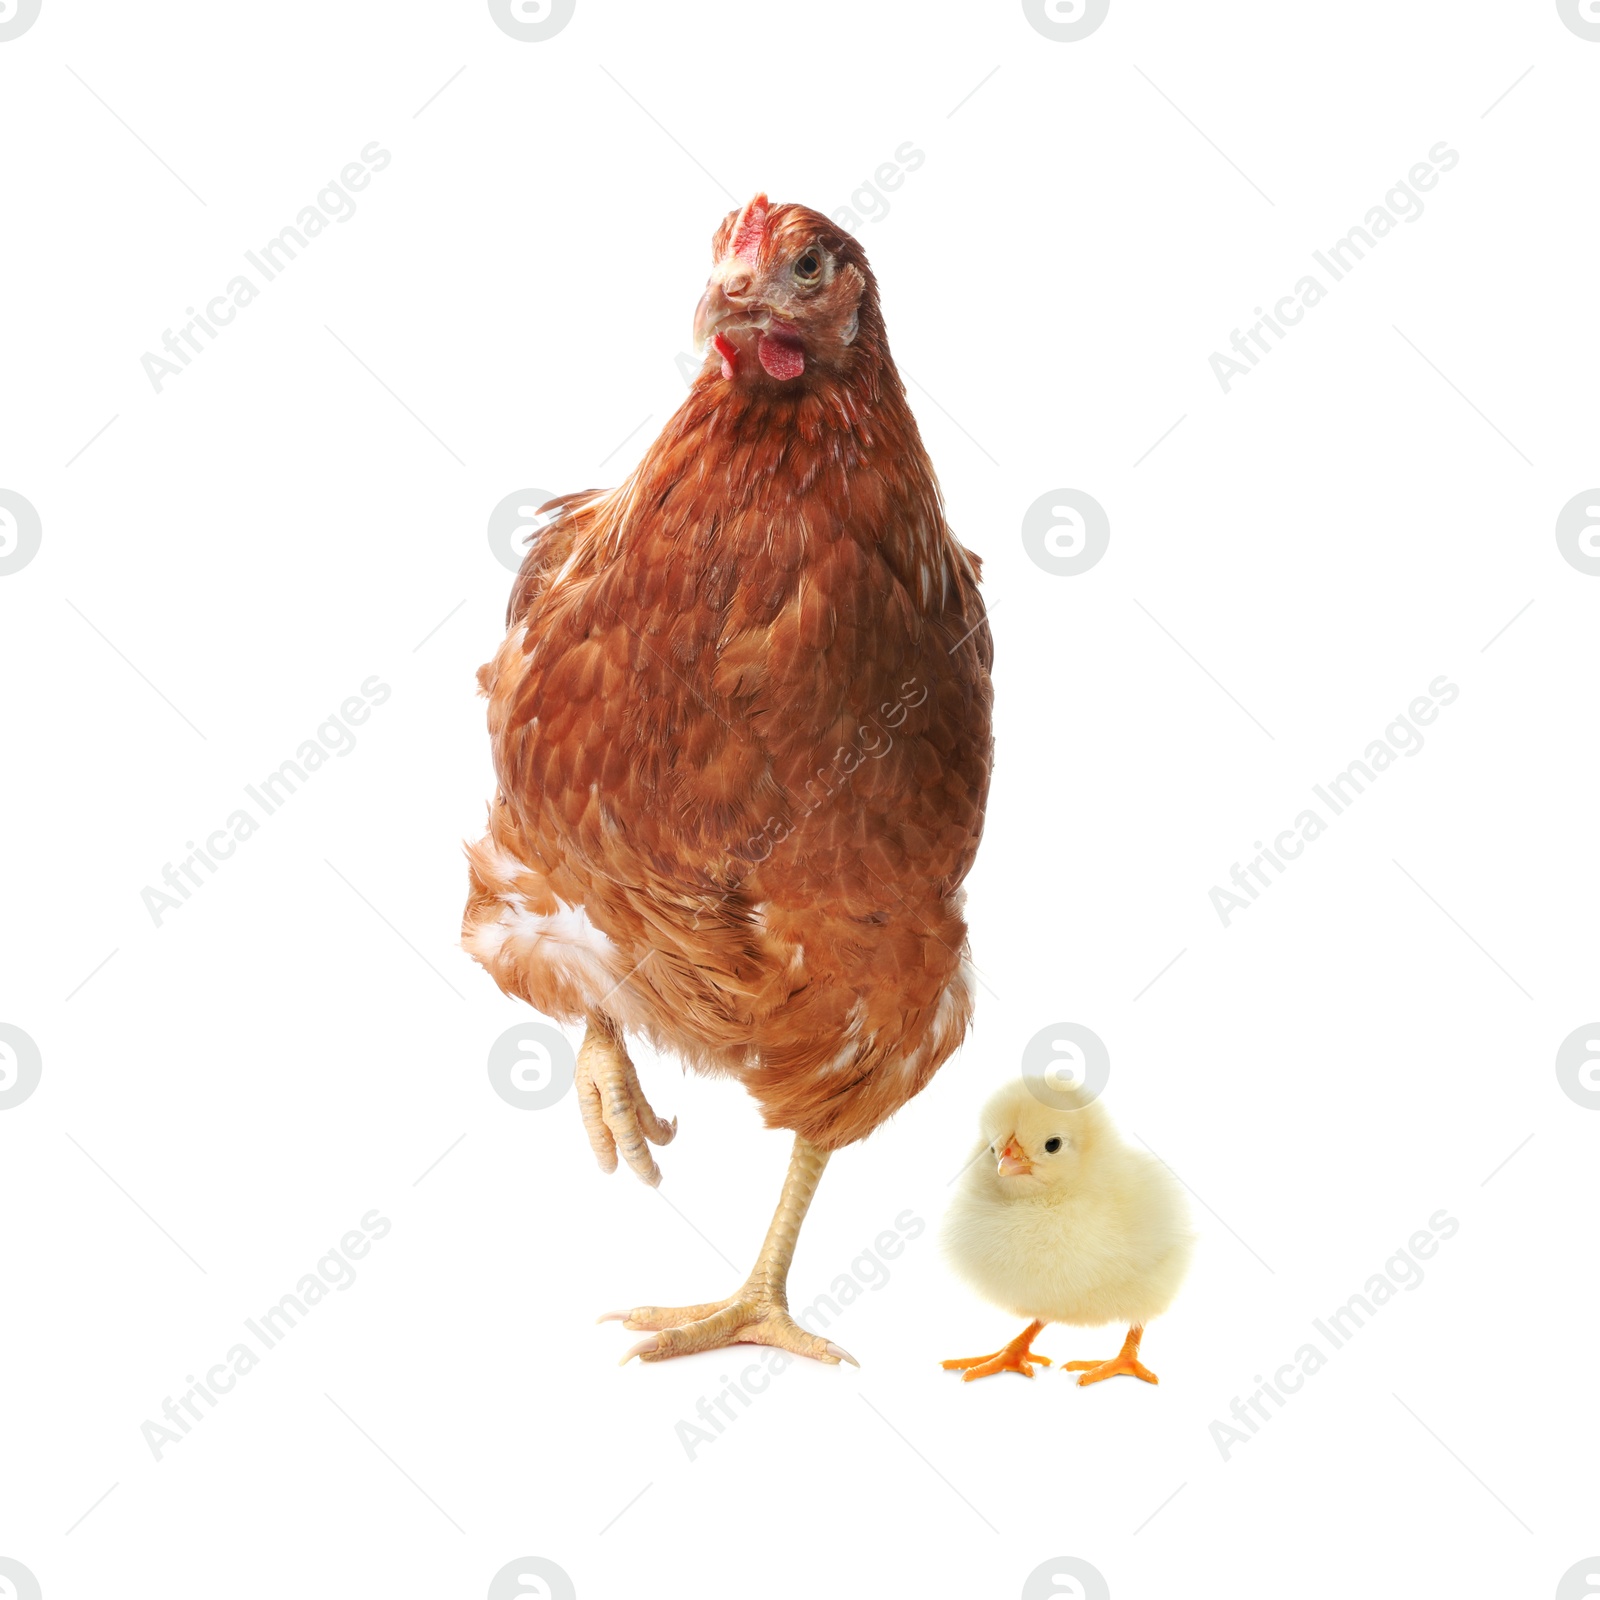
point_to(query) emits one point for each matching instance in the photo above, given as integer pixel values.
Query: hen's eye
(1052, 1145)
(808, 268)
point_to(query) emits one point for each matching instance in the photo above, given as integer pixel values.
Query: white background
(1289, 567)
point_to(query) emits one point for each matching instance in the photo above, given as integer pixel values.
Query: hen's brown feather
(741, 724)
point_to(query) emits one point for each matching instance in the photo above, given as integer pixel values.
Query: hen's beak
(716, 307)
(713, 307)
(1013, 1163)
(733, 308)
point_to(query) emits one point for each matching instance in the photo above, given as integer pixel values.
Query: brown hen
(741, 726)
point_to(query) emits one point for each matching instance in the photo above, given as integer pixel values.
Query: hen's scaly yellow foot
(759, 1312)
(1013, 1358)
(748, 1318)
(615, 1111)
(1125, 1363)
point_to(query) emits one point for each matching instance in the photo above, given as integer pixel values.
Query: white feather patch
(564, 939)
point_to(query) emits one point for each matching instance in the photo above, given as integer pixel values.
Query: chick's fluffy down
(1098, 1232)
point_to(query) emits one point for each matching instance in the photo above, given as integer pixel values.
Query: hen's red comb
(745, 242)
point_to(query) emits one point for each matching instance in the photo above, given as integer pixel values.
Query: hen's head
(790, 294)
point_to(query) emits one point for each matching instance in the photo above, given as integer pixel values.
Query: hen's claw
(615, 1111)
(746, 1319)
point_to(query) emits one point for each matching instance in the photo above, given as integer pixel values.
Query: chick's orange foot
(1125, 1364)
(1014, 1357)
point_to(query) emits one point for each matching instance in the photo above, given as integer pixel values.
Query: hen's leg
(1014, 1357)
(759, 1312)
(1125, 1363)
(615, 1111)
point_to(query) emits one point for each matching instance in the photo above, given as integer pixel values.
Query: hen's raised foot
(1125, 1364)
(615, 1111)
(1014, 1357)
(745, 1319)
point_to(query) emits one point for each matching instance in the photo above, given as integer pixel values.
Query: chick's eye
(1052, 1145)
(808, 268)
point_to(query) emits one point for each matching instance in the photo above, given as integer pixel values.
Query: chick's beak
(1013, 1163)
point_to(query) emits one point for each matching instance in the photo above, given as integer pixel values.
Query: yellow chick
(1057, 1220)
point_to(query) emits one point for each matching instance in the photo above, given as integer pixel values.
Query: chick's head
(1041, 1139)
